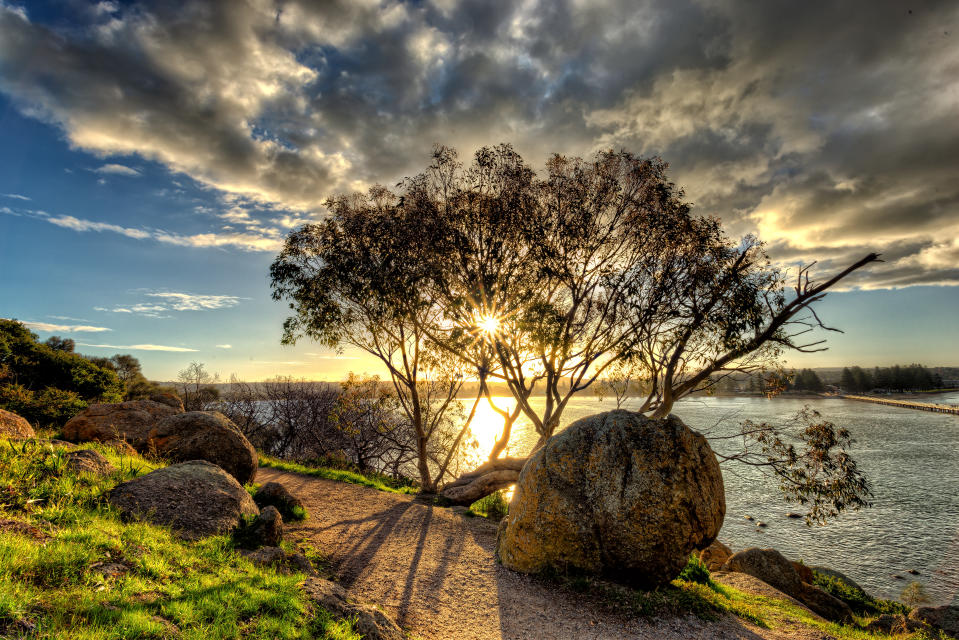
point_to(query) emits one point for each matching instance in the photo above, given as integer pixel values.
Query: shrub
(695, 571)
(49, 407)
(492, 506)
(858, 600)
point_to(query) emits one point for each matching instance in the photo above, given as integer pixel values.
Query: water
(911, 458)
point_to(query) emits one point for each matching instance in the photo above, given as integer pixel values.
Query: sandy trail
(435, 573)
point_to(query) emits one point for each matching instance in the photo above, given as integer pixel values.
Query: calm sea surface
(911, 458)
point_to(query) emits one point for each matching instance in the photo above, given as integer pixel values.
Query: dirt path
(435, 572)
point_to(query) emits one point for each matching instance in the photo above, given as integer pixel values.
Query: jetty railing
(907, 404)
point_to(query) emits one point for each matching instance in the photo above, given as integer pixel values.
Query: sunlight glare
(488, 324)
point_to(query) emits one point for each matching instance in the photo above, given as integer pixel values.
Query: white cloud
(78, 224)
(15, 196)
(136, 347)
(118, 170)
(70, 328)
(224, 346)
(194, 302)
(69, 318)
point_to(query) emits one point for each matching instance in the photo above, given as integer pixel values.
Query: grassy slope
(202, 590)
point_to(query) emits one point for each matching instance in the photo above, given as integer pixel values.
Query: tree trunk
(489, 477)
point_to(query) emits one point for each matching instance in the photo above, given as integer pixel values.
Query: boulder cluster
(161, 427)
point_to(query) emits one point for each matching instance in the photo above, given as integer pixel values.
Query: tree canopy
(544, 281)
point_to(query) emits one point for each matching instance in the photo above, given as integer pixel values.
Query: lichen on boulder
(616, 494)
(130, 421)
(13, 425)
(195, 499)
(205, 435)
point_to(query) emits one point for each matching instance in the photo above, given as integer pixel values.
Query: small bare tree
(195, 386)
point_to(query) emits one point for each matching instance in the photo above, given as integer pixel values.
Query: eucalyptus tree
(356, 279)
(595, 264)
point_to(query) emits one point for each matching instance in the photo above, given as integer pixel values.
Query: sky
(153, 157)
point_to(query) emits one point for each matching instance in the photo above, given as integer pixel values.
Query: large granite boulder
(130, 421)
(195, 499)
(776, 570)
(14, 426)
(265, 531)
(205, 435)
(945, 618)
(616, 494)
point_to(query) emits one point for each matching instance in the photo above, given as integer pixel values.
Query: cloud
(136, 347)
(224, 346)
(193, 302)
(118, 170)
(67, 328)
(811, 126)
(69, 318)
(15, 196)
(268, 240)
(78, 224)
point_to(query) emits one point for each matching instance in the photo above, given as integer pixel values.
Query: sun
(488, 324)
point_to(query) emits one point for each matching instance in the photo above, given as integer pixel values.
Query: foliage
(493, 506)
(858, 600)
(914, 377)
(46, 408)
(46, 382)
(350, 280)
(810, 459)
(806, 380)
(695, 571)
(200, 590)
(36, 366)
(914, 594)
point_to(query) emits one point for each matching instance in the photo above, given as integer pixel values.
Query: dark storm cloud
(828, 127)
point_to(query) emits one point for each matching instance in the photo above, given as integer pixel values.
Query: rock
(768, 565)
(615, 494)
(913, 572)
(371, 623)
(265, 531)
(121, 446)
(945, 618)
(280, 560)
(792, 514)
(130, 421)
(460, 510)
(750, 584)
(715, 555)
(169, 399)
(774, 569)
(896, 576)
(275, 494)
(14, 426)
(88, 461)
(195, 499)
(748, 517)
(205, 435)
(805, 573)
(849, 582)
(109, 569)
(893, 625)
(826, 605)
(761, 524)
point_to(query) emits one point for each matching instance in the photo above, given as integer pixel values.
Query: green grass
(858, 600)
(375, 481)
(695, 593)
(492, 506)
(202, 590)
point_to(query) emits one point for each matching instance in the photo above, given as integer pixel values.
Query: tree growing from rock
(546, 281)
